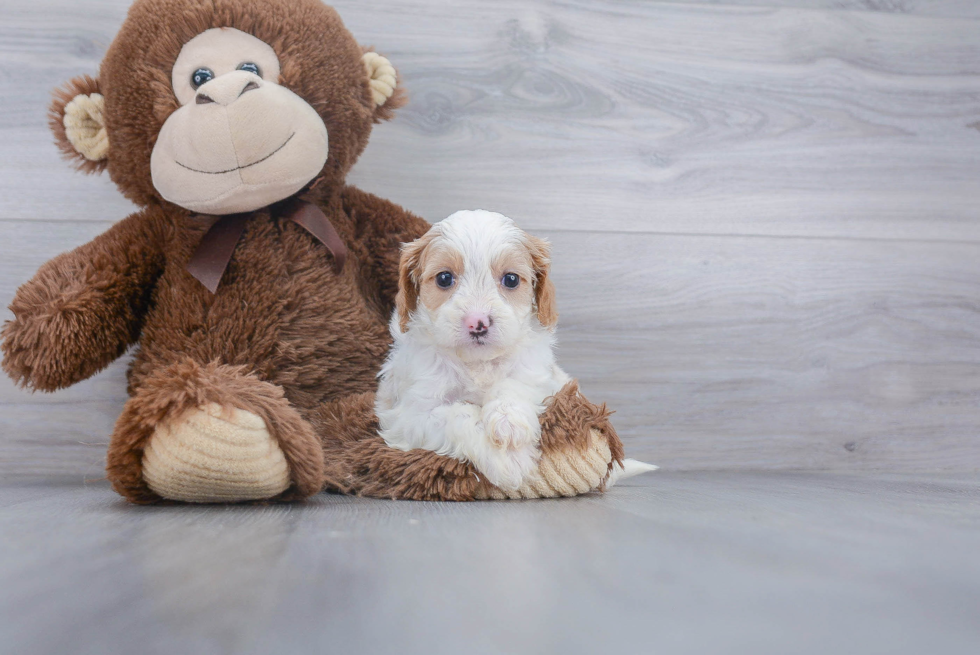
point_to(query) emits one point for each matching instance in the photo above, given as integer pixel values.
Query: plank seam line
(762, 4)
(651, 233)
(751, 235)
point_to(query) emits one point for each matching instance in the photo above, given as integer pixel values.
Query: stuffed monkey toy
(255, 284)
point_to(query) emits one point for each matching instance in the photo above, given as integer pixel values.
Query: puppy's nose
(478, 323)
(226, 89)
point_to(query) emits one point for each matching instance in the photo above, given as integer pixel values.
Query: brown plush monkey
(256, 284)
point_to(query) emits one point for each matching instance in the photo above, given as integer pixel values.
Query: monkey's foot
(568, 472)
(212, 433)
(215, 454)
(579, 452)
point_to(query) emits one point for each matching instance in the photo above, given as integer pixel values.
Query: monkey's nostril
(251, 86)
(203, 99)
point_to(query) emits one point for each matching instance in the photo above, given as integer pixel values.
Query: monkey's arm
(381, 228)
(579, 448)
(82, 309)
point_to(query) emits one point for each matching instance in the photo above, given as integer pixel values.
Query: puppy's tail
(629, 468)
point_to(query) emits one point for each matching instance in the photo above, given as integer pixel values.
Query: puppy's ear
(544, 288)
(77, 118)
(409, 272)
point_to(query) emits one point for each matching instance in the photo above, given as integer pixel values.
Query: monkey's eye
(201, 76)
(250, 67)
(510, 280)
(445, 279)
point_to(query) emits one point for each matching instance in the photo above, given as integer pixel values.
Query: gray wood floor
(766, 221)
(720, 562)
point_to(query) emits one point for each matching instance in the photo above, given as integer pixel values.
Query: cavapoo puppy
(473, 355)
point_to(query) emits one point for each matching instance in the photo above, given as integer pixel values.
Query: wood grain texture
(767, 253)
(777, 353)
(681, 118)
(946, 8)
(743, 563)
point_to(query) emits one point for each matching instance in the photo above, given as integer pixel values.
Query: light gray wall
(766, 218)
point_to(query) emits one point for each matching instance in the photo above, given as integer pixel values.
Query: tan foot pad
(215, 454)
(565, 474)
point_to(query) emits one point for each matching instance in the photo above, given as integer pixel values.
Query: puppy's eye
(445, 280)
(201, 76)
(250, 67)
(511, 280)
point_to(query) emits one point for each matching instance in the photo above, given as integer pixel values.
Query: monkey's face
(239, 141)
(224, 106)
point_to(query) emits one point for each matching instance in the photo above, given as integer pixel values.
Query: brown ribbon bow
(209, 261)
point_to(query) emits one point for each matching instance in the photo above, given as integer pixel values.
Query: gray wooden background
(765, 213)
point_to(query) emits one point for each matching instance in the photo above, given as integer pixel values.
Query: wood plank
(944, 8)
(692, 119)
(677, 563)
(783, 353)
(675, 118)
(57, 442)
(715, 352)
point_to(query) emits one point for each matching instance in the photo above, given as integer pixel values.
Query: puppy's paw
(508, 469)
(511, 425)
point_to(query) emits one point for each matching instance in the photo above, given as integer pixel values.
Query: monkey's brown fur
(285, 337)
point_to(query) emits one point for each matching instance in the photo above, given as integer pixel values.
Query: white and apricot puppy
(472, 360)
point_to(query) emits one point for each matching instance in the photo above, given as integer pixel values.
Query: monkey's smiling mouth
(238, 168)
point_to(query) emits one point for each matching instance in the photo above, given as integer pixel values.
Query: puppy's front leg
(512, 436)
(466, 439)
(510, 417)
(445, 429)
(461, 425)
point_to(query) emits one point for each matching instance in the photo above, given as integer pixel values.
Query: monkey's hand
(82, 309)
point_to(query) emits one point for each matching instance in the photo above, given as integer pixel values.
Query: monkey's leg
(578, 446)
(212, 433)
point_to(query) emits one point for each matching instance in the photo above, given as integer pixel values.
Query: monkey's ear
(385, 92)
(77, 118)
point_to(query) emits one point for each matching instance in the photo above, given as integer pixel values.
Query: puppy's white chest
(478, 379)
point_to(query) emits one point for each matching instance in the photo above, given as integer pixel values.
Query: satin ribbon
(213, 253)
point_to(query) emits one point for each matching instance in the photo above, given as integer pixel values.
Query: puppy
(473, 355)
